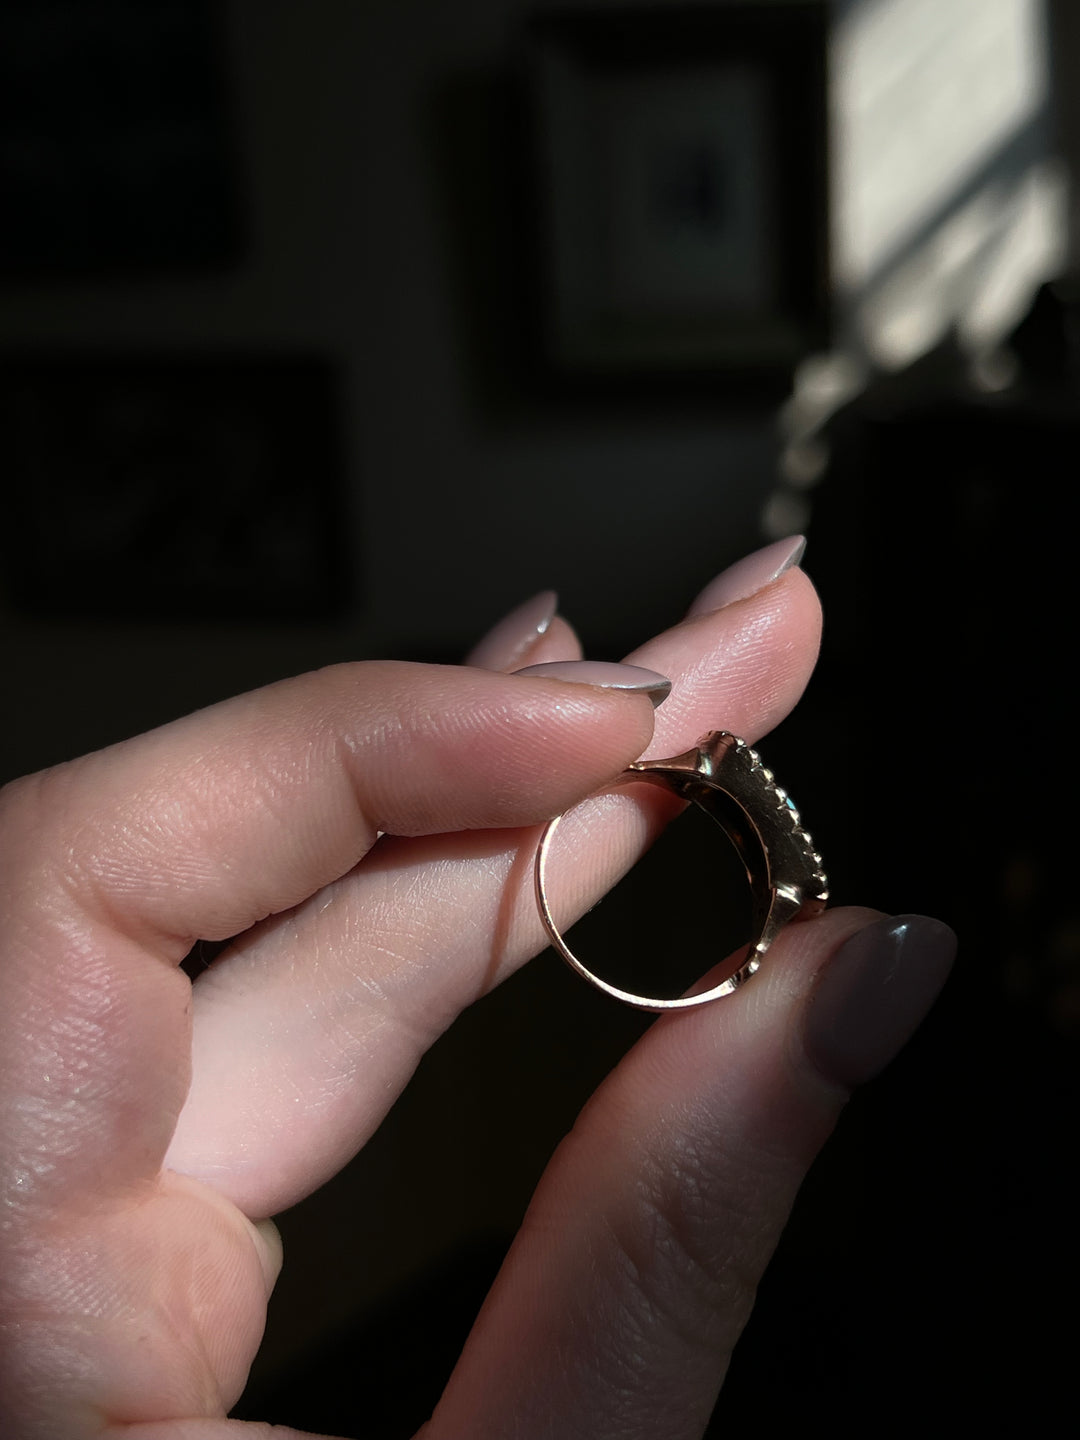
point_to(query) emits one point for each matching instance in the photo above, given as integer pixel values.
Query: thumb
(635, 1271)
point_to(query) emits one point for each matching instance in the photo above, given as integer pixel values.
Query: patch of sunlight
(947, 213)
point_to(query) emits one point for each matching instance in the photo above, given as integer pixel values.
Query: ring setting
(725, 777)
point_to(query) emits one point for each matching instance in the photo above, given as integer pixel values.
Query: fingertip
(748, 576)
(270, 1250)
(516, 635)
(873, 994)
(741, 668)
(559, 642)
(532, 634)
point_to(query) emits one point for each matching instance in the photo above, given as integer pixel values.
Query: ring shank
(743, 806)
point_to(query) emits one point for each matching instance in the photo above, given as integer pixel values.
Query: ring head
(727, 778)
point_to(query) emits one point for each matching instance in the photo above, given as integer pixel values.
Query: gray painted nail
(873, 995)
(605, 674)
(749, 575)
(516, 633)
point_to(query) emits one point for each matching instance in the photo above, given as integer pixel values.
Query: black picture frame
(681, 186)
(179, 488)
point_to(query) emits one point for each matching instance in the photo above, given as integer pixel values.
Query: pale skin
(149, 1129)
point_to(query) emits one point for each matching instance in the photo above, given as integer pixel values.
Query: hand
(150, 1128)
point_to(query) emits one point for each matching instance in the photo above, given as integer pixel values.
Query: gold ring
(725, 778)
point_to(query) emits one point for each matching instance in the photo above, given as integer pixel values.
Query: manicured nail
(605, 674)
(515, 634)
(749, 575)
(873, 995)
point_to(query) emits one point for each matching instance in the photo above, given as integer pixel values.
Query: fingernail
(605, 674)
(749, 575)
(873, 995)
(515, 634)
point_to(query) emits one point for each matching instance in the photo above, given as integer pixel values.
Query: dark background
(273, 393)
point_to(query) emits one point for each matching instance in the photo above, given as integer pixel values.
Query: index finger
(114, 864)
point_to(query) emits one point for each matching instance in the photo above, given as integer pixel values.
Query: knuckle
(686, 1248)
(48, 838)
(31, 829)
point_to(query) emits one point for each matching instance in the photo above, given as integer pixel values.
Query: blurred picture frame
(681, 189)
(174, 487)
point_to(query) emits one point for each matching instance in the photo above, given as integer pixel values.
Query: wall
(457, 513)
(463, 506)
(364, 185)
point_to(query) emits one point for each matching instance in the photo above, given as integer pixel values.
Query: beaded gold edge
(720, 750)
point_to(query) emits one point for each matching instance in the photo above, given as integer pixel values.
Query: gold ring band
(726, 778)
